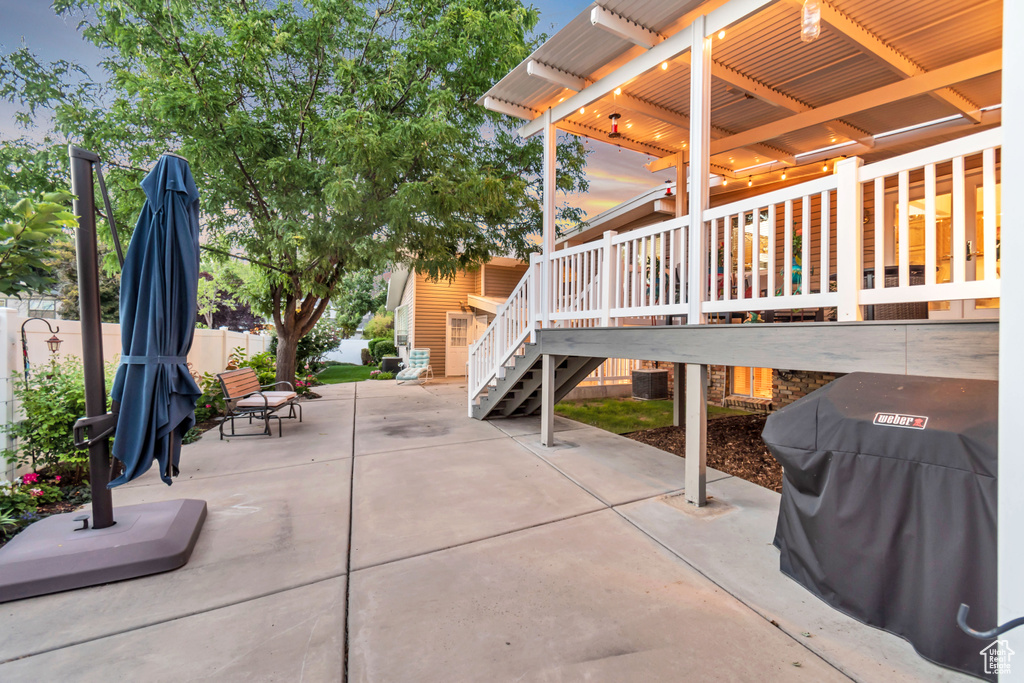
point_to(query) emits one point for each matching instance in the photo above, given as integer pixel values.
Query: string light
(583, 110)
(721, 34)
(618, 91)
(725, 181)
(824, 167)
(750, 181)
(783, 175)
(664, 66)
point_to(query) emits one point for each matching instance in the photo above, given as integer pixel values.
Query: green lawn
(337, 374)
(623, 415)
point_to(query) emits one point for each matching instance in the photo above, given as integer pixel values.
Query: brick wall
(718, 384)
(790, 385)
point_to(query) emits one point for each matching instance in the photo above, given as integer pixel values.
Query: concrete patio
(476, 555)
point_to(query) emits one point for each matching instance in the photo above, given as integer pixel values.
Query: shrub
(380, 325)
(20, 499)
(377, 374)
(372, 344)
(52, 400)
(365, 356)
(384, 347)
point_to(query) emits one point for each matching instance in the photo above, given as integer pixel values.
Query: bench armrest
(267, 386)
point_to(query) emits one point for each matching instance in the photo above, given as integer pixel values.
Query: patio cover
(159, 284)
(889, 505)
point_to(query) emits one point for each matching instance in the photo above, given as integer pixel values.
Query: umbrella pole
(92, 330)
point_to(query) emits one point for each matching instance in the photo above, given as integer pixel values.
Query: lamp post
(53, 343)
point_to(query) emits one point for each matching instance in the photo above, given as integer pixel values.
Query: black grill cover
(889, 505)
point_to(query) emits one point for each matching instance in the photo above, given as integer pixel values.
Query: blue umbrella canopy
(159, 282)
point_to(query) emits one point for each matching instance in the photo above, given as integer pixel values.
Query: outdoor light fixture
(618, 91)
(53, 343)
(583, 110)
(615, 126)
(725, 181)
(810, 21)
(783, 175)
(824, 167)
(750, 181)
(664, 66)
(721, 34)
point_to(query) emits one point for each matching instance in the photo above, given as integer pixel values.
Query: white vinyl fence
(210, 352)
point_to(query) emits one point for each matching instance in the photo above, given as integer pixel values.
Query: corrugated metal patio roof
(864, 44)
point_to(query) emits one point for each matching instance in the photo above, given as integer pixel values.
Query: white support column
(549, 166)
(700, 138)
(849, 239)
(696, 434)
(1011, 328)
(700, 144)
(547, 401)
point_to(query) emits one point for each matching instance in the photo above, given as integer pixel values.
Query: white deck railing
(931, 217)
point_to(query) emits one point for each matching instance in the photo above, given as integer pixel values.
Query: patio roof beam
(874, 46)
(556, 76)
(981, 65)
(508, 108)
(670, 48)
(624, 28)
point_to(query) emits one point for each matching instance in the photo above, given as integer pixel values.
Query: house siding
(499, 281)
(409, 299)
(432, 301)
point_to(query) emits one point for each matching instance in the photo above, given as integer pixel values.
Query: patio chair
(418, 369)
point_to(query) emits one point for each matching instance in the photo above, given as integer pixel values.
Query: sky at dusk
(615, 175)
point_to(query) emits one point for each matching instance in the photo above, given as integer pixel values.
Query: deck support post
(1010, 540)
(696, 434)
(696, 278)
(547, 401)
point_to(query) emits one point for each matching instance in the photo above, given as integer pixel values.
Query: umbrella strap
(153, 360)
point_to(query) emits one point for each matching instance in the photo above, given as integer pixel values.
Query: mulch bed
(734, 446)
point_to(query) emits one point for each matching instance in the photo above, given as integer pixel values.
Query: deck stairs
(518, 391)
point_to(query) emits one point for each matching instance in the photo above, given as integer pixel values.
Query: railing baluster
(662, 274)
(904, 211)
(826, 241)
(879, 233)
(727, 260)
(787, 275)
(713, 293)
(772, 229)
(805, 246)
(988, 189)
(741, 257)
(930, 235)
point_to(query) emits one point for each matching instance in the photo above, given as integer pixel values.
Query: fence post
(849, 238)
(9, 368)
(607, 280)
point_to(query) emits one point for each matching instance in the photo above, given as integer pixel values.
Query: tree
(64, 265)
(325, 137)
(222, 286)
(360, 293)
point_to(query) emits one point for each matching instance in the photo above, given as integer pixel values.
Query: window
(402, 326)
(460, 328)
(753, 382)
(42, 308)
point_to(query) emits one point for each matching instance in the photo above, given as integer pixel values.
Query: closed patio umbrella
(159, 282)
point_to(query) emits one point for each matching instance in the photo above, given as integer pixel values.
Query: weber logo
(899, 420)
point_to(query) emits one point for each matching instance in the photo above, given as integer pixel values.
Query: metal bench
(244, 397)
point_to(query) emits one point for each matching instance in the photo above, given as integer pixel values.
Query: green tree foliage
(26, 242)
(64, 265)
(361, 292)
(380, 325)
(325, 136)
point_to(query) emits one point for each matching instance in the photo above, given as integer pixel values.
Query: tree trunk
(287, 345)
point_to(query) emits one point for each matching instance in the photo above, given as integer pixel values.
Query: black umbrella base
(55, 554)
